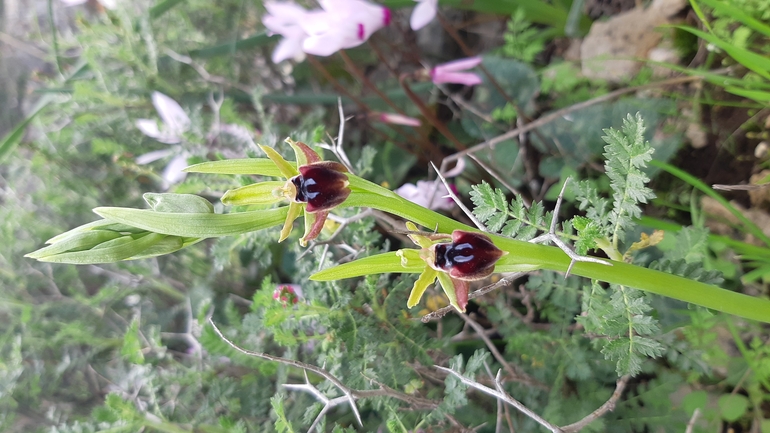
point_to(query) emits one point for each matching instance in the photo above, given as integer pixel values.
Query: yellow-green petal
(419, 240)
(449, 289)
(294, 210)
(287, 170)
(426, 278)
(256, 193)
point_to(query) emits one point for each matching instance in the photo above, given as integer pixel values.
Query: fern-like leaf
(626, 154)
(622, 318)
(514, 220)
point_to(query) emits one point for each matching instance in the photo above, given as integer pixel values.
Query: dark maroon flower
(322, 185)
(470, 256)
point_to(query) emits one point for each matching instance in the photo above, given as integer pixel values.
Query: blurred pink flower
(423, 13)
(429, 194)
(284, 18)
(340, 24)
(397, 119)
(286, 294)
(452, 72)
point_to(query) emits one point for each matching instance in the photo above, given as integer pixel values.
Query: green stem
(552, 258)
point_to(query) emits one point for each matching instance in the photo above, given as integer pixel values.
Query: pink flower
(342, 24)
(286, 294)
(284, 19)
(423, 13)
(452, 72)
(397, 119)
(428, 194)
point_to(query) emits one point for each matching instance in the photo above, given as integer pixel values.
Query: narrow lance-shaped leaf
(378, 264)
(193, 224)
(109, 252)
(256, 166)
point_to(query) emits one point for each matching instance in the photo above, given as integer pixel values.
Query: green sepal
(112, 251)
(258, 166)
(426, 278)
(195, 225)
(303, 153)
(378, 264)
(178, 203)
(449, 290)
(287, 170)
(294, 210)
(256, 193)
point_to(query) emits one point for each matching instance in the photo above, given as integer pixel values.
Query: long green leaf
(378, 264)
(742, 248)
(12, 139)
(255, 41)
(753, 61)
(195, 224)
(163, 7)
(109, 254)
(757, 95)
(748, 225)
(78, 241)
(728, 9)
(259, 166)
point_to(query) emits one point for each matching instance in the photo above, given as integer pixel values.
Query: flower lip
(322, 185)
(470, 256)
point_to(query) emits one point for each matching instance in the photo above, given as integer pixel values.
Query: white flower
(108, 4)
(428, 194)
(284, 19)
(340, 24)
(175, 122)
(423, 13)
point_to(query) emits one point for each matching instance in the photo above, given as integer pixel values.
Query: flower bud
(470, 256)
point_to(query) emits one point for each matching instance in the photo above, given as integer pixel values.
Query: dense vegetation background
(128, 347)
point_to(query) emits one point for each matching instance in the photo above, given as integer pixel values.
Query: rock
(610, 45)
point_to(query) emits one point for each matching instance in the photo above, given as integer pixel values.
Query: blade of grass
(701, 16)
(255, 41)
(747, 224)
(163, 7)
(742, 248)
(757, 95)
(737, 14)
(751, 60)
(12, 139)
